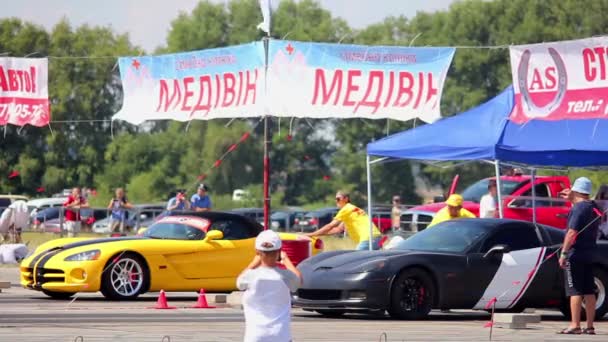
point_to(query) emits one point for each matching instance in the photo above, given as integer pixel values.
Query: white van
(38, 204)
(239, 194)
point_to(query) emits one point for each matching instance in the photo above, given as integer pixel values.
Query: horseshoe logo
(530, 108)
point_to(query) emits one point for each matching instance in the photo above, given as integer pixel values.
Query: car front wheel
(125, 277)
(412, 295)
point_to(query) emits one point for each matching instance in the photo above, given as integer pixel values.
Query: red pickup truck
(516, 201)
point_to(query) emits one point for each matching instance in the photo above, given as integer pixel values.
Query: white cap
(268, 241)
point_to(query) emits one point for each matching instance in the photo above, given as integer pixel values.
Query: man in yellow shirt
(452, 210)
(354, 220)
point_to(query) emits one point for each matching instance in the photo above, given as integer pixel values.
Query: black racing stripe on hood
(40, 255)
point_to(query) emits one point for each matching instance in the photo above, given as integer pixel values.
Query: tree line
(310, 161)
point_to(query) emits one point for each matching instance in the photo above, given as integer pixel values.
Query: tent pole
(369, 201)
(533, 182)
(498, 187)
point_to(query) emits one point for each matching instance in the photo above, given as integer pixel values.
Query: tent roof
(471, 135)
(578, 143)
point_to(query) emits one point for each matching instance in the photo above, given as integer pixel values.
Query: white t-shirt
(487, 206)
(267, 303)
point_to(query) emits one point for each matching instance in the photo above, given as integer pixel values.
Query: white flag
(265, 25)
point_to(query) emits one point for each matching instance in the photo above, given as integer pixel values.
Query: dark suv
(314, 220)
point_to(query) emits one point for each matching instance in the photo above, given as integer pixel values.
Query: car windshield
(474, 192)
(453, 236)
(174, 231)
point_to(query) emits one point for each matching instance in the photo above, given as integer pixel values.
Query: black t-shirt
(584, 220)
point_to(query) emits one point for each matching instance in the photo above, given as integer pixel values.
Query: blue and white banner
(321, 80)
(215, 83)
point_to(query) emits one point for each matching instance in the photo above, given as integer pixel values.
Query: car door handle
(561, 215)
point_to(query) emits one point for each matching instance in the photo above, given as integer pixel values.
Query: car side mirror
(214, 235)
(496, 250)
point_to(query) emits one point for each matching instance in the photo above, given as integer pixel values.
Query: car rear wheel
(331, 313)
(412, 295)
(601, 305)
(58, 295)
(125, 277)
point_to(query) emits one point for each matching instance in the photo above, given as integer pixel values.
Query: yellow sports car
(180, 252)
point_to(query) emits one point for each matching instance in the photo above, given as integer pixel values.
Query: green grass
(334, 243)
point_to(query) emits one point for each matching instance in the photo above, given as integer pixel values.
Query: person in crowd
(119, 205)
(354, 220)
(452, 210)
(487, 205)
(201, 201)
(578, 251)
(601, 199)
(73, 204)
(179, 202)
(268, 285)
(396, 213)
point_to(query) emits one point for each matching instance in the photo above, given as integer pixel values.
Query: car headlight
(84, 256)
(374, 265)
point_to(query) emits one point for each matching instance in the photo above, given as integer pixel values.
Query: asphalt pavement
(27, 315)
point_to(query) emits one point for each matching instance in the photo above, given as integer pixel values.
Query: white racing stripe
(513, 277)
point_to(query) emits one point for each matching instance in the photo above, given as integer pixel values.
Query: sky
(148, 21)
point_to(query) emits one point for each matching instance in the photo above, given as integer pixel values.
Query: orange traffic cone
(202, 301)
(162, 302)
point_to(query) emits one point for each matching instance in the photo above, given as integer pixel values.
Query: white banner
(319, 80)
(560, 80)
(24, 97)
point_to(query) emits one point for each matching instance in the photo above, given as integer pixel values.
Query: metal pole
(498, 187)
(266, 145)
(369, 201)
(533, 180)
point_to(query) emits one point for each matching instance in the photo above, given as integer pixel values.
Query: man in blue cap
(577, 255)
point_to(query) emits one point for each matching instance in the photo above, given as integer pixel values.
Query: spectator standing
(354, 220)
(601, 199)
(268, 288)
(452, 210)
(73, 204)
(201, 201)
(577, 255)
(396, 213)
(119, 205)
(179, 202)
(487, 205)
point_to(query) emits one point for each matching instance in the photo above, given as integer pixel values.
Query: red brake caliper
(421, 296)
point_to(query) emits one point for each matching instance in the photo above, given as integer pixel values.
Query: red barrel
(297, 250)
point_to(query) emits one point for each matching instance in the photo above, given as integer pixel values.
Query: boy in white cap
(578, 253)
(268, 287)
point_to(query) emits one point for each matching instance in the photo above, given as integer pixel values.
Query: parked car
(45, 215)
(36, 205)
(256, 214)
(458, 264)
(284, 220)
(87, 218)
(142, 215)
(516, 201)
(6, 200)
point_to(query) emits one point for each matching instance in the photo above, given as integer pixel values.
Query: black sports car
(458, 264)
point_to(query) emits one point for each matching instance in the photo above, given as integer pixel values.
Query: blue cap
(582, 185)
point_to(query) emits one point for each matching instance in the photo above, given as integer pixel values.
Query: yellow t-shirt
(444, 215)
(356, 222)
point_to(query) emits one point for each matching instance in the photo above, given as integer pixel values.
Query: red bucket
(297, 250)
